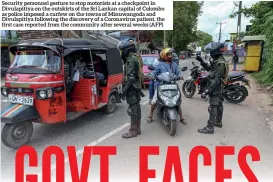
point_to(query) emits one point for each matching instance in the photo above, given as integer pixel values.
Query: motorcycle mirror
(151, 67)
(184, 68)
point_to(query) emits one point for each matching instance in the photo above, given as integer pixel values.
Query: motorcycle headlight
(44, 93)
(170, 102)
(163, 97)
(4, 91)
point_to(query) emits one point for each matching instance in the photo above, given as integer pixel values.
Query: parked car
(148, 59)
(183, 55)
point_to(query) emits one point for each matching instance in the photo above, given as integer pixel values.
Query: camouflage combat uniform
(132, 95)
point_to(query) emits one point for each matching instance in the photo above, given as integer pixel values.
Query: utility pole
(239, 26)
(239, 20)
(220, 33)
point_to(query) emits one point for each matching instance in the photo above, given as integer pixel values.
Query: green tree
(262, 24)
(203, 38)
(185, 19)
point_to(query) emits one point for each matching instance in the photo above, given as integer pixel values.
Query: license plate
(24, 100)
(168, 87)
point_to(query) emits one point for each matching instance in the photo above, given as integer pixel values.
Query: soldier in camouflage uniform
(218, 74)
(131, 90)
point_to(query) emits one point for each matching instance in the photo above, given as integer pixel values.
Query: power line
(208, 5)
(229, 18)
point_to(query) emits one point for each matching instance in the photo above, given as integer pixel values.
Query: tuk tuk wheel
(16, 135)
(111, 105)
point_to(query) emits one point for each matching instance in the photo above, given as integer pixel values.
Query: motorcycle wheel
(192, 89)
(171, 127)
(235, 99)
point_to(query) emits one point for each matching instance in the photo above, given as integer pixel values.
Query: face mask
(169, 58)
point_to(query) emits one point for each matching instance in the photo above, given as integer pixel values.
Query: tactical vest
(225, 78)
(140, 74)
(139, 70)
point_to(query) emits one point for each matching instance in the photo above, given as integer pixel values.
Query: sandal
(150, 119)
(183, 122)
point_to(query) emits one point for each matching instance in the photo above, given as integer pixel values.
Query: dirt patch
(263, 98)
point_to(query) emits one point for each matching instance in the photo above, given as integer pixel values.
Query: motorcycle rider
(218, 74)
(131, 87)
(152, 82)
(165, 66)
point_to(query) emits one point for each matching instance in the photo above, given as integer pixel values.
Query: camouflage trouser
(134, 110)
(215, 109)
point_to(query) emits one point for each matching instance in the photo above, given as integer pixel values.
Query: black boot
(218, 124)
(208, 129)
(138, 127)
(133, 131)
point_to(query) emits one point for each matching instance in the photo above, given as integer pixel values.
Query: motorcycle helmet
(126, 47)
(166, 54)
(216, 49)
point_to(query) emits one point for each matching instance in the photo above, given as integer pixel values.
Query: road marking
(96, 142)
(4, 100)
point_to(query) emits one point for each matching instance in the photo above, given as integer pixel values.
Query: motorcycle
(233, 92)
(168, 99)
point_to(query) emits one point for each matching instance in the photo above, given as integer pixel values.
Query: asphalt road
(242, 126)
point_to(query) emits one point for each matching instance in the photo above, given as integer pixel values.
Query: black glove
(205, 94)
(198, 58)
(122, 96)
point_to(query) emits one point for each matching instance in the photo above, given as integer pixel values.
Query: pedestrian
(235, 60)
(167, 65)
(130, 90)
(218, 76)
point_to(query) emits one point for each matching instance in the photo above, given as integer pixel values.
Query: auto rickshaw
(55, 81)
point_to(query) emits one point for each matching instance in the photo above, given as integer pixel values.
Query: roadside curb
(263, 102)
(263, 99)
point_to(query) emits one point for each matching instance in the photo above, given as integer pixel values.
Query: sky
(219, 11)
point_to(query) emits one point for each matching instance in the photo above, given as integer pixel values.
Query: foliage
(143, 35)
(262, 24)
(185, 19)
(204, 38)
(158, 39)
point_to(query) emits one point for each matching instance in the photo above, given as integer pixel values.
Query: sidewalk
(262, 97)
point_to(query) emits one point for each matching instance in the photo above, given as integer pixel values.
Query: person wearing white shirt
(151, 84)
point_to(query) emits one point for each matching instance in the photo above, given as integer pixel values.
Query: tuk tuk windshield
(45, 61)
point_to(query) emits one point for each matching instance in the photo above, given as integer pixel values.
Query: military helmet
(215, 48)
(127, 46)
(166, 54)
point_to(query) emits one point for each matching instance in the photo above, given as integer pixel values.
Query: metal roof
(253, 38)
(67, 42)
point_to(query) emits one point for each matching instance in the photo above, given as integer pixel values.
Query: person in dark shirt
(234, 60)
(98, 67)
